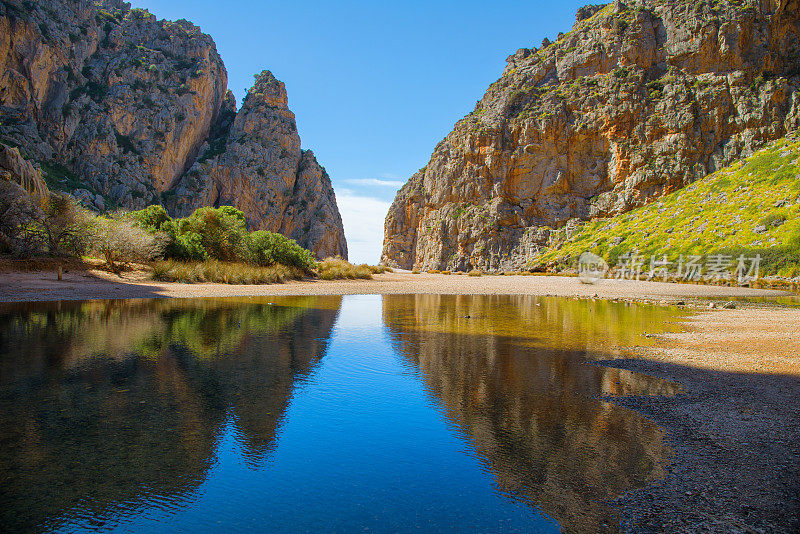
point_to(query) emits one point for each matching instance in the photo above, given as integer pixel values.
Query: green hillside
(749, 208)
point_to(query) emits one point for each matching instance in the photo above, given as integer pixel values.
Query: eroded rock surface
(119, 106)
(639, 99)
(262, 170)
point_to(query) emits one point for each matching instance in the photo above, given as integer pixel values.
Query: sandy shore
(86, 285)
(736, 431)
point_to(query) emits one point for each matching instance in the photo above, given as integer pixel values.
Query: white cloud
(363, 225)
(377, 182)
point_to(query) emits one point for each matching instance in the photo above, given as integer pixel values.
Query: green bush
(221, 234)
(222, 231)
(151, 218)
(185, 246)
(267, 248)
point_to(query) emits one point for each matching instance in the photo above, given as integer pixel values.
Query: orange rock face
(636, 101)
(128, 106)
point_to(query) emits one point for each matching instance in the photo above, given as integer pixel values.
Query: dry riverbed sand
(95, 284)
(735, 432)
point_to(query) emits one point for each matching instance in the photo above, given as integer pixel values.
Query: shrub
(337, 269)
(415, 271)
(267, 248)
(475, 272)
(222, 231)
(772, 219)
(183, 246)
(125, 143)
(64, 228)
(120, 241)
(19, 209)
(221, 234)
(151, 218)
(187, 246)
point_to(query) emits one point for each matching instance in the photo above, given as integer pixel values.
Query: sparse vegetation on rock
(637, 101)
(750, 207)
(128, 111)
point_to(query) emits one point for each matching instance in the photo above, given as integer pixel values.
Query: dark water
(321, 414)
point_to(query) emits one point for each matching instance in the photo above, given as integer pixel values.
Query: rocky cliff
(123, 110)
(261, 169)
(637, 100)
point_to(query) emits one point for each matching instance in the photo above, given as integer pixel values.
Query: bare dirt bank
(85, 285)
(735, 432)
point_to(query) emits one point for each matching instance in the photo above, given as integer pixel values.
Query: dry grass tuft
(380, 269)
(338, 269)
(223, 272)
(475, 272)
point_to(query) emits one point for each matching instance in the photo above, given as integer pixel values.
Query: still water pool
(322, 414)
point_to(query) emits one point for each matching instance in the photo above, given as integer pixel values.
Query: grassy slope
(717, 214)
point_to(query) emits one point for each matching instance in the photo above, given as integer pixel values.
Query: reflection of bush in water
(512, 377)
(115, 328)
(113, 430)
(123, 400)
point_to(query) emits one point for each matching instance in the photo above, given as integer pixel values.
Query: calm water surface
(321, 414)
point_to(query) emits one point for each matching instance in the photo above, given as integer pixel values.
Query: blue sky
(375, 85)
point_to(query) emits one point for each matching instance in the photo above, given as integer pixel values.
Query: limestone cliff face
(262, 170)
(118, 106)
(638, 100)
(23, 191)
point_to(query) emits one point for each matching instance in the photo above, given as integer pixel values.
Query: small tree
(151, 218)
(65, 228)
(18, 211)
(120, 241)
(222, 231)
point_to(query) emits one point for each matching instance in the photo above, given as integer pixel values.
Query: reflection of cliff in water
(528, 400)
(104, 404)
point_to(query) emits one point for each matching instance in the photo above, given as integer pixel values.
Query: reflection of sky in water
(360, 449)
(361, 413)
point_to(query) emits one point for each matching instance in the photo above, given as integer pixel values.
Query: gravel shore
(735, 432)
(86, 285)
